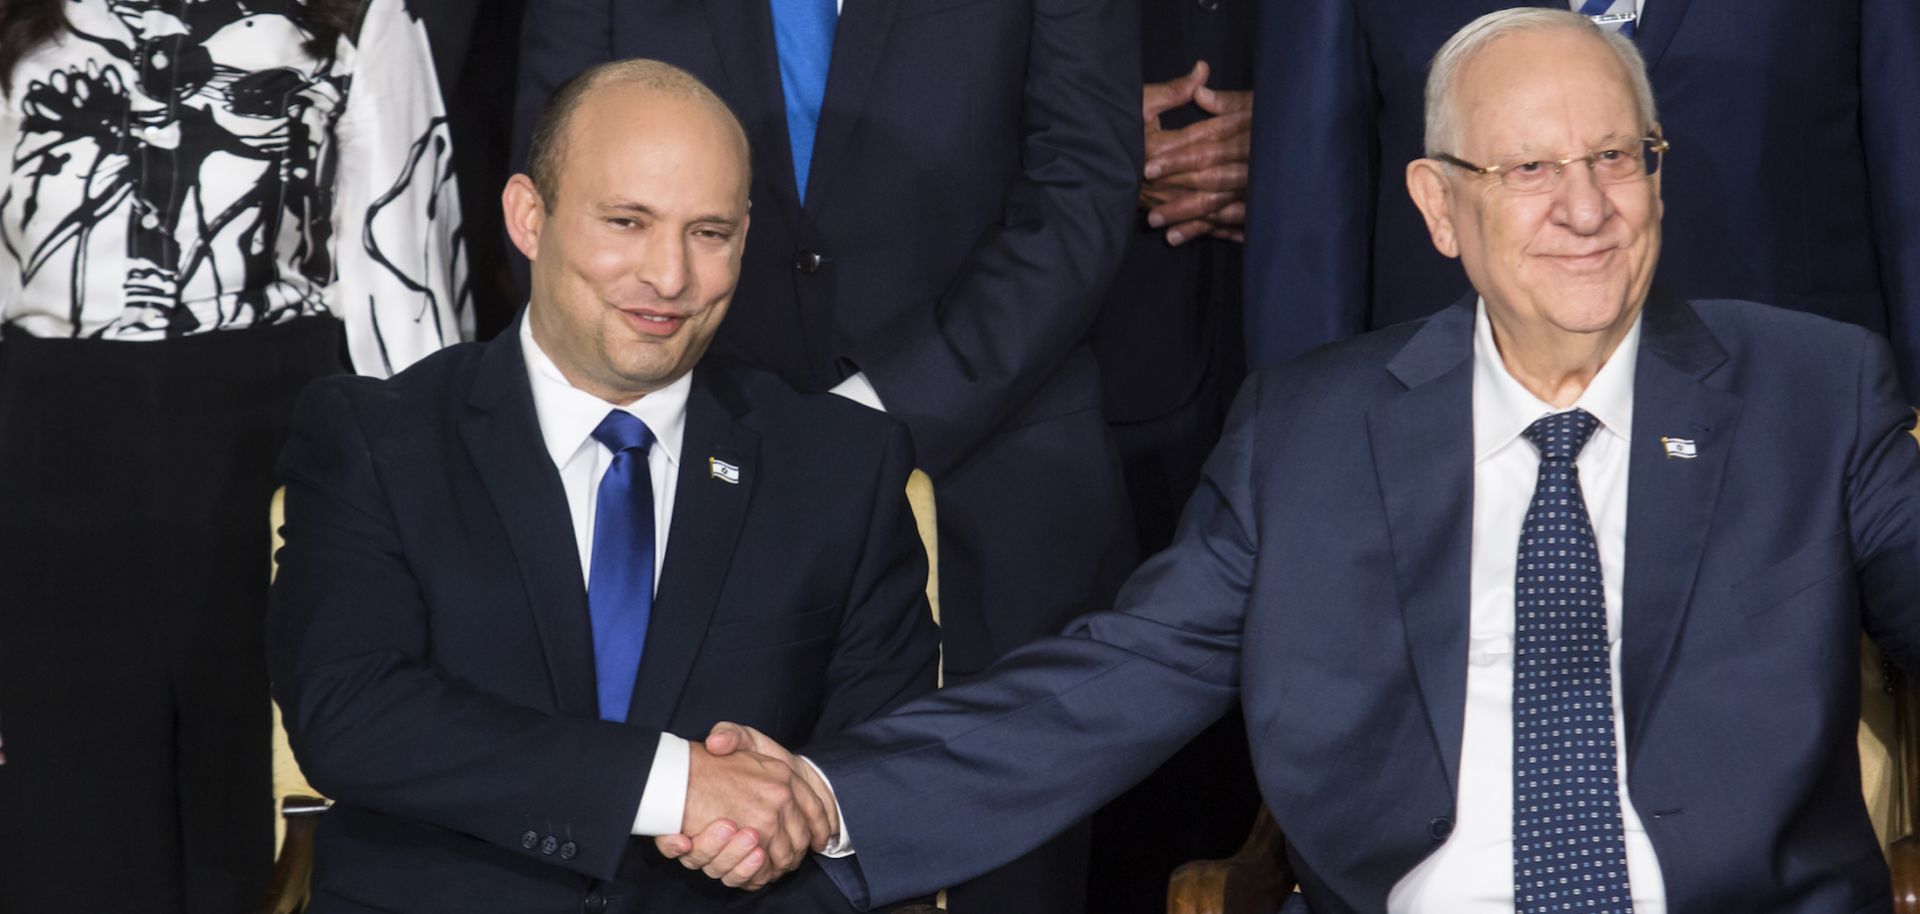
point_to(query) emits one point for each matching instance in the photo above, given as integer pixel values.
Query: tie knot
(1562, 435)
(621, 431)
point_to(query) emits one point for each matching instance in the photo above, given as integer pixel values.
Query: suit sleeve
(558, 39)
(1883, 508)
(1890, 127)
(1310, 197)
(1029, 292)
(888, 648)
(372, 721)
(972, 776)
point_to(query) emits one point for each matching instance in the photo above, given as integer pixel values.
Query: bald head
(644, 81)
(1444, 117)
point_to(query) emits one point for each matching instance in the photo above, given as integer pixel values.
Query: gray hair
(1442, 120)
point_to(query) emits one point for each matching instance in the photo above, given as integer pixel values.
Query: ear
(1659, 199)
(1427, 183)
(526, 214)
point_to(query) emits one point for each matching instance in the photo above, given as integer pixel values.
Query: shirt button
(529, 838)
(808, 261)
(1438, 829)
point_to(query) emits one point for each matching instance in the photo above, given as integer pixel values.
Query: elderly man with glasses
(1548, 602)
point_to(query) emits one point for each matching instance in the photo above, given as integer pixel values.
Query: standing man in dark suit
(1168, 338)
(1550, 601)
(467, 637)
(942, 193)
(1171, 355)
(1796, 130)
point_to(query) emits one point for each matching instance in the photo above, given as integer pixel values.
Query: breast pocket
(913, 9)
(1820, 561)
(755, 633)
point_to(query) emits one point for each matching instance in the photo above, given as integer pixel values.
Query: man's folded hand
(753, 811)
(1196, 176)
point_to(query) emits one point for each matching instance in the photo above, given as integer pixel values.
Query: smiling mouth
(1592, 259)
(652, 323)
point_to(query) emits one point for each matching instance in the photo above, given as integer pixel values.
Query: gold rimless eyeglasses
(1612, 165)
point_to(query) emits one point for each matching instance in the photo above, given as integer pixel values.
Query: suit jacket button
(808, 261)
(1207, 5)
(549, 844)
(569, 850)
(529, 838)
(1438, 829)
(594, 903)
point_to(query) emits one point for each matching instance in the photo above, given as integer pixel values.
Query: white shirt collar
(1503, 408)
(568, 415)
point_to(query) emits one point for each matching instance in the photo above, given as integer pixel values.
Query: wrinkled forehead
(1557, 92)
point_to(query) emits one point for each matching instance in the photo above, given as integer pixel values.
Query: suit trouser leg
(222, 715)
(1034, 532)
(1200, 803)
(86, 797)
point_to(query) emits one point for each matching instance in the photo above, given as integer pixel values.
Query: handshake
(753, 812)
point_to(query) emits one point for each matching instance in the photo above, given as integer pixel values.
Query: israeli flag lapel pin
(1679, 448)
(723, 471)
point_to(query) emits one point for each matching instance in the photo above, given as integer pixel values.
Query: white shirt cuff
(842, 843)
(663, 805)
(860, 390)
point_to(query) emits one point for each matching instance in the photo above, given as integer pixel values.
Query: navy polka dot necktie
(1569, 848)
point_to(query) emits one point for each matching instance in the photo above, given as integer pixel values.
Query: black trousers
(135, 479)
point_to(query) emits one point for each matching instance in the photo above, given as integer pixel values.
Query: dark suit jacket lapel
(1656, 27)
(502, 436)
(707, 514)
(1423, 455)
(857, 44)
(1670, 501)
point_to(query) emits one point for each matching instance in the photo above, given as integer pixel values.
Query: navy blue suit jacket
(1795, 130)
(971, 192)
(1321, 575)
(430, 643)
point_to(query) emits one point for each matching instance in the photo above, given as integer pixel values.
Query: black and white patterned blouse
(183, 166)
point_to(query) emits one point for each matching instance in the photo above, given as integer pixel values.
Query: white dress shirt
(860, 390)
(568, 416)
(1472, 873)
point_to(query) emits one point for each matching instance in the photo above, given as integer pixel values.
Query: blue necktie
(803, 36)
(1621, 8)
(1569, 848)
(620, 587)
